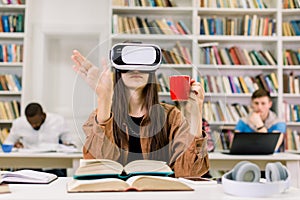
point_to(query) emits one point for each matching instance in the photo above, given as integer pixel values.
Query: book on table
(4, 188)
(98, 175)
(26, 176)
(104, 168)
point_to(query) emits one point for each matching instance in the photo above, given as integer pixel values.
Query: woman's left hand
(193, 108)
(197, 92)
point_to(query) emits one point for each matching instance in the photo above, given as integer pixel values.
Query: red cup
(180, 87)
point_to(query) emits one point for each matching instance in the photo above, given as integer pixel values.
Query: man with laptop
(262, 119)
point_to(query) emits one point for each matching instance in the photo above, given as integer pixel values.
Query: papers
(43, 148)
(197, 181)
(26, 176)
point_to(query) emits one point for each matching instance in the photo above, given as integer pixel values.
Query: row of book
(222, 139)
(12, 23)
(3, 134)
(291, 28)
(139, 25)
(9, 110)
(224, 112)
(292, 140)
(163, 83)
(179, 54)
(291, 4)
(235, 55)
(246, 25)
(291, 112)
(11, 53)
(144, 3)
(12, 2)
(291, 83)
(239, 84)
(233, 4)
(291, 57)
(10, 82)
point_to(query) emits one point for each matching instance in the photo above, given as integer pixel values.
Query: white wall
(54, 28)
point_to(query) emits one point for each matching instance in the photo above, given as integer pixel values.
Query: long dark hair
(154, 118)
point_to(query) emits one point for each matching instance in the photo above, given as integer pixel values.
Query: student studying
(262, 119)
(130, 123)
(39, 130)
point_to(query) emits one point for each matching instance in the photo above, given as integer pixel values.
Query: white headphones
(243, 180)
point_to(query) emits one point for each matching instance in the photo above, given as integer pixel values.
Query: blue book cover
(249, 26)
(207, 55)
(1, 53)
(211, 26)
(295, 27)
(5, 23)
(270, 85)
(17, 82)
(202, 32)
(296, 108)
(219, 27)
(9, 53)
(184, 27)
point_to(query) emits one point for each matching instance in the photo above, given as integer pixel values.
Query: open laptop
(253, 143)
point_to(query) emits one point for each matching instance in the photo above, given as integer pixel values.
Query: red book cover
(234, 56)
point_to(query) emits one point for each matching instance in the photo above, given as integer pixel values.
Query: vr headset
(135, 56)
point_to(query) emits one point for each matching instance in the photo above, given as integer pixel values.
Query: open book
(26, 176)
(139, 183)
(103, 168)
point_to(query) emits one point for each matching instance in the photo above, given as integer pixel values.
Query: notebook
(253, 143)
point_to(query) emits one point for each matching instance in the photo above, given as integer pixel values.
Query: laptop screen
(254, 143)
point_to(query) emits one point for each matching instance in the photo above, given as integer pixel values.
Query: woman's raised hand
(100, 82)
(193, 108)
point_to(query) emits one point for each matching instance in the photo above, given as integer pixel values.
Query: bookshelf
(192, 14)
(12, 35)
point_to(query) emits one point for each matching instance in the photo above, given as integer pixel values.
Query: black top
(135, 150)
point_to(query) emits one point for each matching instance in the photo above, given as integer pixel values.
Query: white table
(57, 190)
(40, 160)
(219, 161)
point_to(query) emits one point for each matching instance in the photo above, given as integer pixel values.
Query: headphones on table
(244, 180)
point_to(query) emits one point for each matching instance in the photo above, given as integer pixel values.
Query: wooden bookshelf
(190, 11)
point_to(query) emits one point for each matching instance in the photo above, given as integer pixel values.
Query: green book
(259, 58)
(104, 168)
(20, 23)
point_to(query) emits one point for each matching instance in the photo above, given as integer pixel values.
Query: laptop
(253, 143)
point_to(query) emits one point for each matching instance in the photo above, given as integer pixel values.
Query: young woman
(130, 123)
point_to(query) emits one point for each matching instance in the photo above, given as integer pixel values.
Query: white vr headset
(135, 56)
(243, 180)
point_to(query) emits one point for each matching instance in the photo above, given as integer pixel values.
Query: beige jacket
(188, 154)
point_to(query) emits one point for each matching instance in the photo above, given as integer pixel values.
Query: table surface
(276, 156)
(214, 156)
(57, 190)
(40, 155)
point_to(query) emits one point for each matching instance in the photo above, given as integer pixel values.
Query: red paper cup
(180, 87)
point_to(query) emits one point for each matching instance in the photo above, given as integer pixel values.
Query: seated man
(262, 119)
(38, 129)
